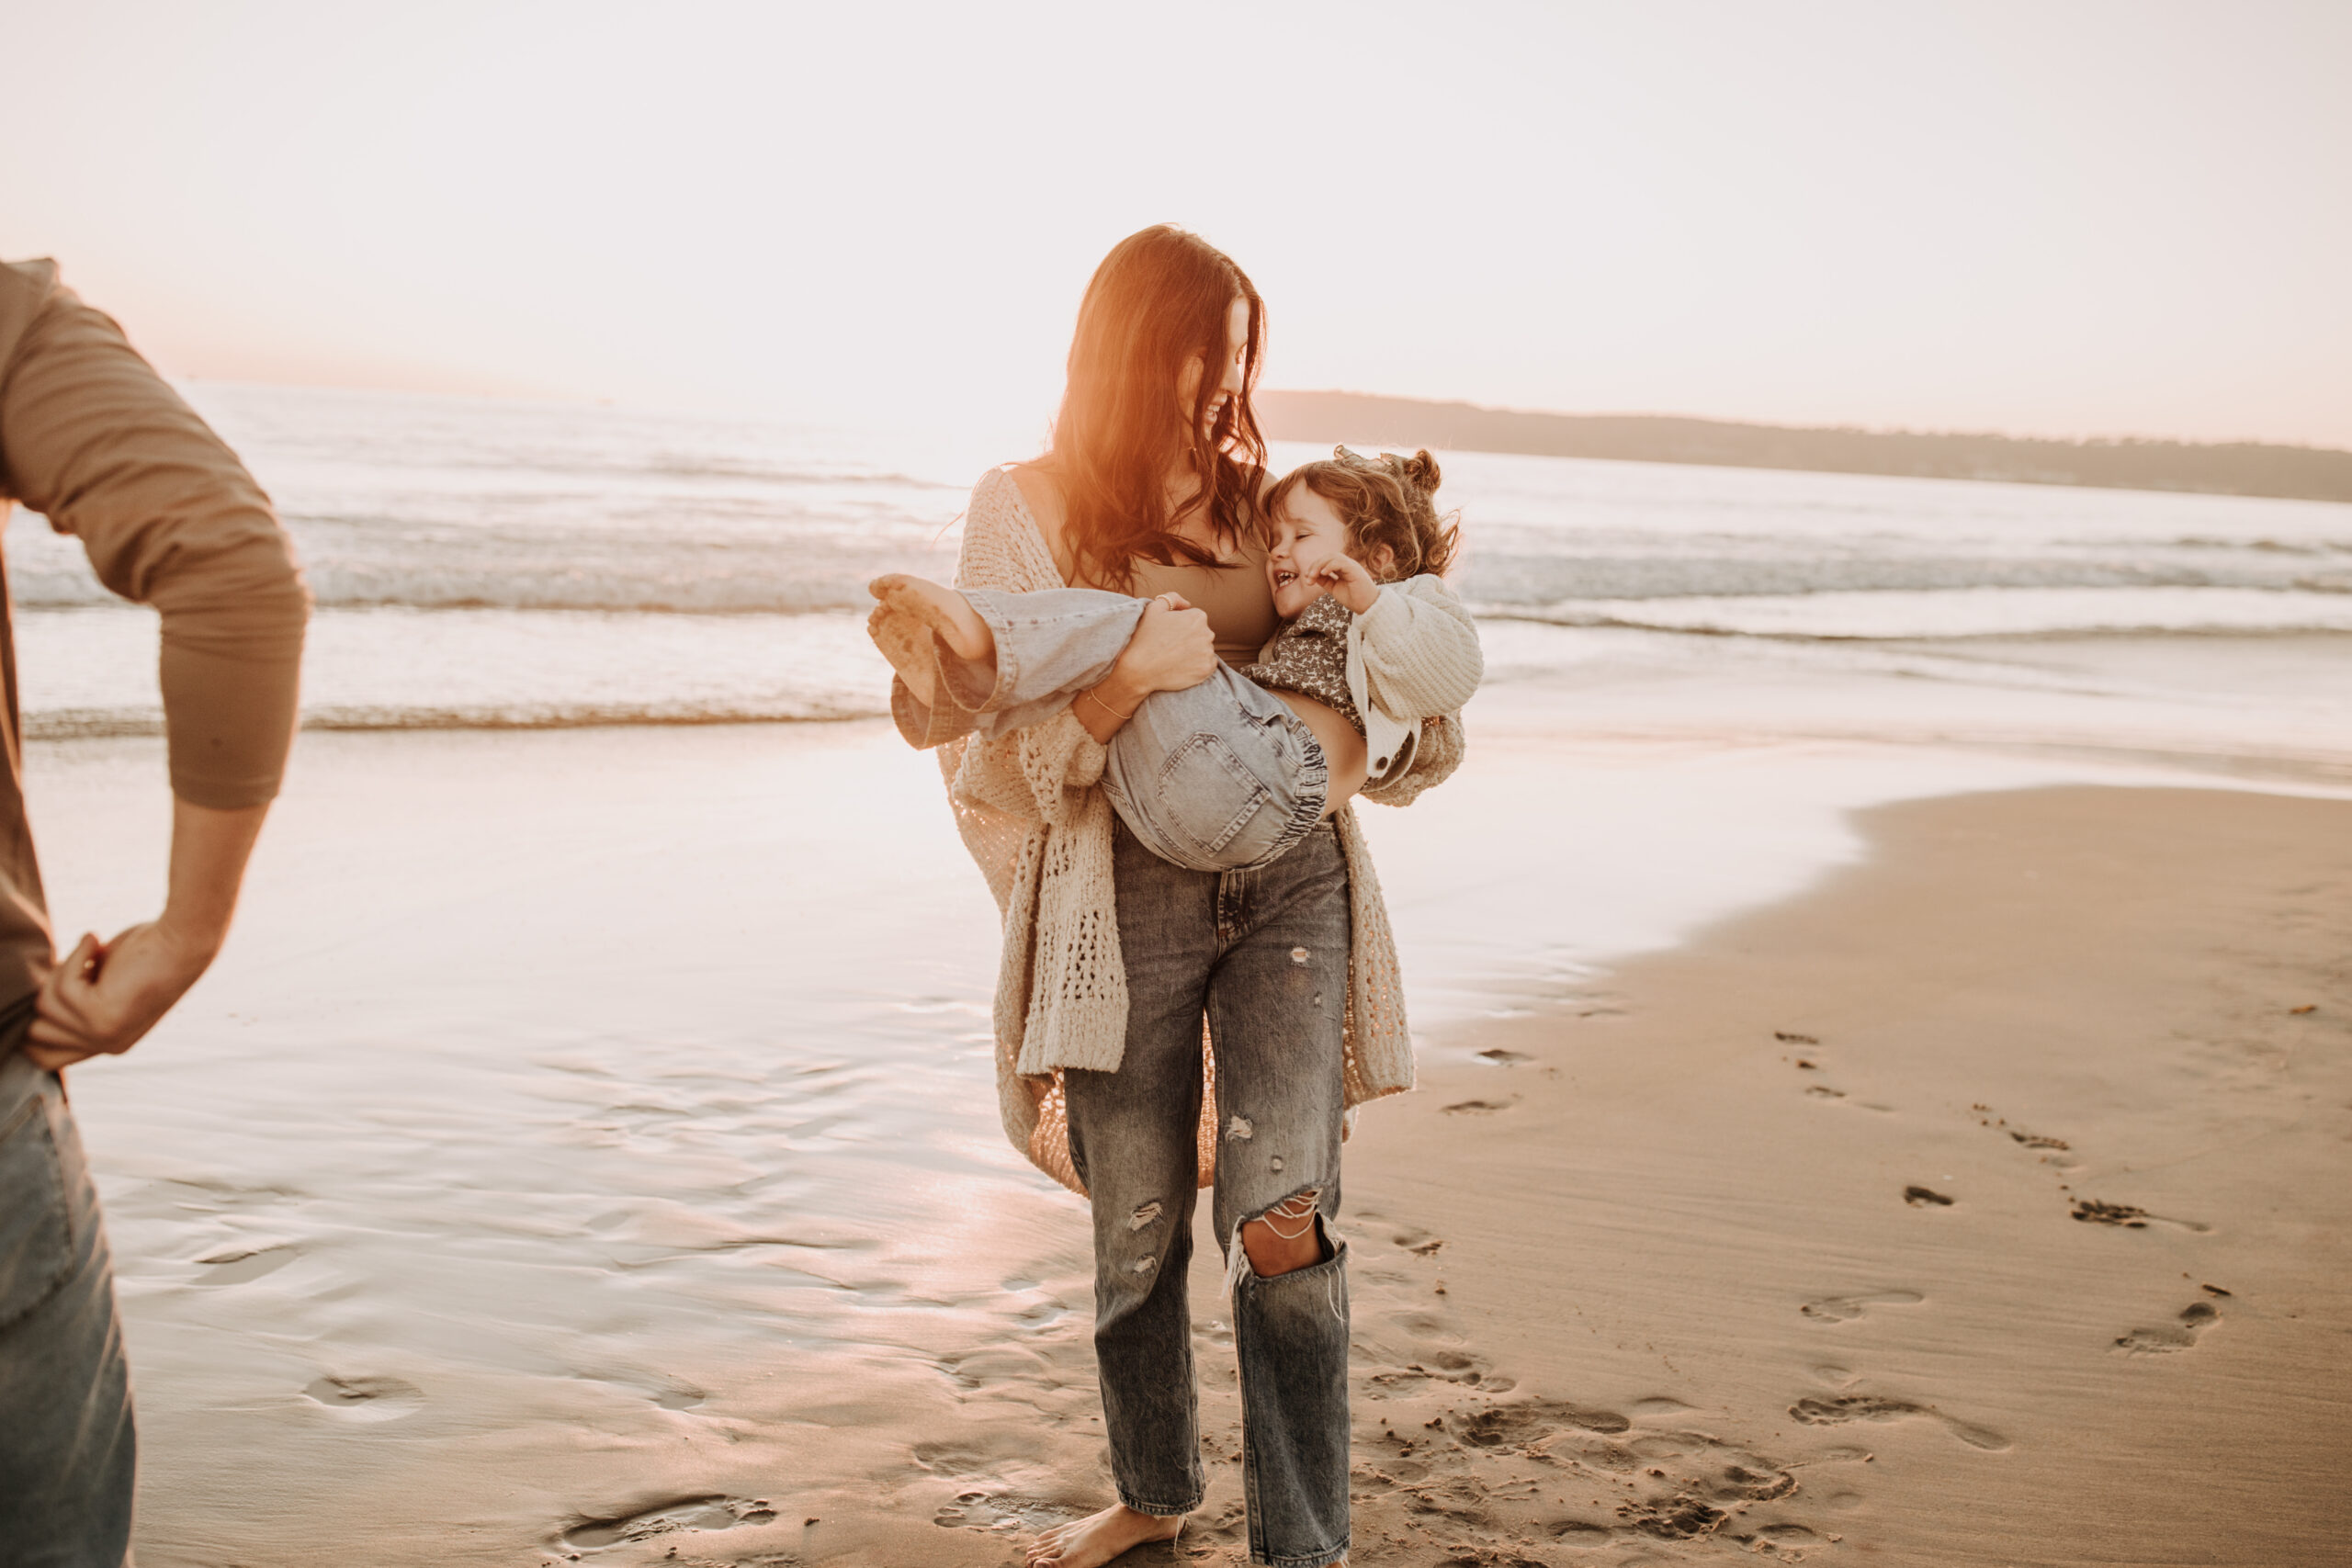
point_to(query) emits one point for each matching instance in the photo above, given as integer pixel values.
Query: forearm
(1102, 710)
(1412, 691)
(231, 672)
(209, 848)
(1420, 658)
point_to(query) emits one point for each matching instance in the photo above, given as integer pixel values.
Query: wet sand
(1978, 1207)
(585, 1153)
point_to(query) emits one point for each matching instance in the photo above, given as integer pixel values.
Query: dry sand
(499, 1204)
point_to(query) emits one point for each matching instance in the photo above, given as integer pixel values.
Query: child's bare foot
(1097, 1538)
(912, 612)
(942, 609)
(909, 647)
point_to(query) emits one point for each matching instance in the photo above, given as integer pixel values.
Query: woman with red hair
(1160, 1029)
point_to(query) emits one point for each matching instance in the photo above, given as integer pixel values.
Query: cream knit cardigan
(1029, 812)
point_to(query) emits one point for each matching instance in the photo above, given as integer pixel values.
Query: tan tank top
(1238, 600)
(1239, 604)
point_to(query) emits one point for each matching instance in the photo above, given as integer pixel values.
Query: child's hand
(1344, 578)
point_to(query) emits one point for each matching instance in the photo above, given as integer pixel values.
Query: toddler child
(1229, 774)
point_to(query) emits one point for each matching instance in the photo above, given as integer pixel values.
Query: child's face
(1307, 533)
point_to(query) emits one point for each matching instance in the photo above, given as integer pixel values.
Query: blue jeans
(68, 1454)
(1216, 777)
(1263, 953)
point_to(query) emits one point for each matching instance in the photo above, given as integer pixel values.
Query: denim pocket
(35, 1237)
(1206, 795)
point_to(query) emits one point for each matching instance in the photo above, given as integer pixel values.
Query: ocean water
(497, 564)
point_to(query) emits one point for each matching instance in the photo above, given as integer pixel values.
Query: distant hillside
(2308, 473)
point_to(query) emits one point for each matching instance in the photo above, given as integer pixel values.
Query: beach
(1865, 1113)
(586, 1151)
(1974, 1208)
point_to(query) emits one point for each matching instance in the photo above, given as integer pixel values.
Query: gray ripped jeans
(1263, 954)
(68, 1455)
(1220, 776)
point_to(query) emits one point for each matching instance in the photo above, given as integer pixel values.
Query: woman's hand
(1172, 650)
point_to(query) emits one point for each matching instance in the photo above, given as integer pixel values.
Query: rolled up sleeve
(92, 437)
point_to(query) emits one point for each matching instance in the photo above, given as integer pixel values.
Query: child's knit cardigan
(1029, 812)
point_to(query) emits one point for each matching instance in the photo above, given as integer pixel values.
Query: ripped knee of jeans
(1295, 1218)
(1292, 1217)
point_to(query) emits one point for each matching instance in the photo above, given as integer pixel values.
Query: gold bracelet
(1106, 707)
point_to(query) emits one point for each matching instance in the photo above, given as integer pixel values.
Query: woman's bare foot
(1097, 1538)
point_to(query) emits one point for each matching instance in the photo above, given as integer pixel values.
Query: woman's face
(1307, 533)
(1230, 378)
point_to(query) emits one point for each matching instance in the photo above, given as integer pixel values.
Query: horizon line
(741, 408)
(2079, 440)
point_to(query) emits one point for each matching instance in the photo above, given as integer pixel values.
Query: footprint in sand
(2179, 1335)
(1526, 1424)
(977, 1508)
(2129, 1216)
(1594, 1479)
(994, 1366)
(2055, 1152)
(709, 1511)
(1717, 1471)
(1502, 1058)
(1927, 1197)
(1425, 1350)
(1672, 1518)
(1436, 1366)
(1478, 1107)
(1724, 1476)
(1415, 1240)
(245, 1263)
(1845, 1309)
(983, 1501)
(368, 1399)
(1870, 1407)
(1787, 1537)
(1426, 1327)
(1825, 1091)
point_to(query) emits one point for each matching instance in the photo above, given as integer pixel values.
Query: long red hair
(1160, 299)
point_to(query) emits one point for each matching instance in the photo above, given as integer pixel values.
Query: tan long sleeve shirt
(92, 437)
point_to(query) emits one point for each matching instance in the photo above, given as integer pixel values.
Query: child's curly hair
(1388, 500)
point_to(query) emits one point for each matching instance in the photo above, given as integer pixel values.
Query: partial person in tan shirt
(92, 438)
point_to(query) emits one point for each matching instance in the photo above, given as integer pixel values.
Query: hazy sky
(2130, 218)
